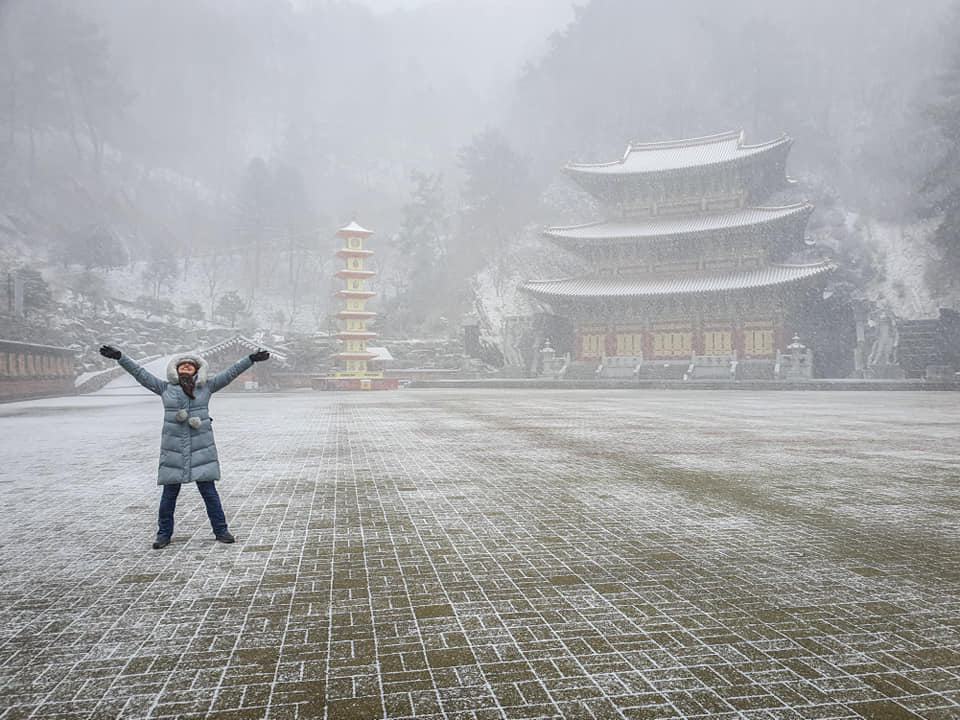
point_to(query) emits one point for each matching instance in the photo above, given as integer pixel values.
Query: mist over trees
(848, 80)
(58, 76)
(216, 146)
(941, 185)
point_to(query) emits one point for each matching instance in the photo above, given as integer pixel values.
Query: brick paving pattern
(489, 554)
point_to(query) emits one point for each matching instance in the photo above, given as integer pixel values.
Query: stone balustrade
(28, 370)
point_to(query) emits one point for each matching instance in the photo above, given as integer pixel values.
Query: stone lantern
(796, 363)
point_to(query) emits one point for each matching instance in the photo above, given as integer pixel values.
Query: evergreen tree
(194, 311)
(231, 306)
(422, 244)
(36, 292)
(89, 291)
(941, 185)
(425, 229)
(294, 222)
(58, 75)
(307, 353)
(255, 218)
(497, 200)
(497, 193)
(161, 268)
(92, 247)
(97, 93)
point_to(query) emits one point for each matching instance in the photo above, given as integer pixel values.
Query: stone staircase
(663, 370)
(755, 369)
(581, 370)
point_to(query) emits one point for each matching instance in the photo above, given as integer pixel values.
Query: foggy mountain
(178, 152)
(385, 6)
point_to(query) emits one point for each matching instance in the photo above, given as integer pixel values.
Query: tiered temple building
(354, 315)
(689, 268)
(353, 359)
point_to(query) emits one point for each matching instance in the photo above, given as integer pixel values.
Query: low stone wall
(99, 381)
(28, 370)
(102, 379)
(414, 374)
(292, 380)
(12, 389)
(641, 385)
(355, 383)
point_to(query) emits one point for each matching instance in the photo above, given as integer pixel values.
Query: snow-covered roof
(243, 344)
(380, 353)
(643, 158)
(353, 229)
(651, 227)
(651, 285)
(16, 346)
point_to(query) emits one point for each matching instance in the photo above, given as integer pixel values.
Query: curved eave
(355, 356)
(749, 219)
(355, 294)
(348, 253)
(701, 284)
(355, 315)
(355, 274)
(353, 230)
(641, 161)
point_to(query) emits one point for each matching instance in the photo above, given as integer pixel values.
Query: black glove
(259, 356)
(108, 351)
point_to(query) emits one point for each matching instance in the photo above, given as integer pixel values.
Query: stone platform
(489, 554)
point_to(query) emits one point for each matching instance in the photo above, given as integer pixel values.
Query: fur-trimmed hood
(202, 367)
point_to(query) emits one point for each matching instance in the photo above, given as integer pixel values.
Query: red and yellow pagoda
(353, 372)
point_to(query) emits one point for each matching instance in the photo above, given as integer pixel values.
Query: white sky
(382, 6)
(387, 5)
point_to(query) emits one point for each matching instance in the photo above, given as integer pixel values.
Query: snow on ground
(485, 553)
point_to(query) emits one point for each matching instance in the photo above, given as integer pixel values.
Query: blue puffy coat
(187, 450)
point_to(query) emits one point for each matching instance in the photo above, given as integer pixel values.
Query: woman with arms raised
(187, 449)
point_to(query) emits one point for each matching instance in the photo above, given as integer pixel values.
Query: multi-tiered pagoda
(354, 373)
(689, 263)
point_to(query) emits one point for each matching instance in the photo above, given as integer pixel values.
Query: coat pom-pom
(194, 422)
(181, 415)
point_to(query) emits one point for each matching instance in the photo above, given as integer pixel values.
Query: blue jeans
(168, 503)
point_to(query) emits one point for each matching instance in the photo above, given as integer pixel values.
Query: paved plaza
(488, 554)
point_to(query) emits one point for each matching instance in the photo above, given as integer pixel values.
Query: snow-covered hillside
(904, 257)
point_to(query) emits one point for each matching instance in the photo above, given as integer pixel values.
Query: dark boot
(226, 537)
(161, 542)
